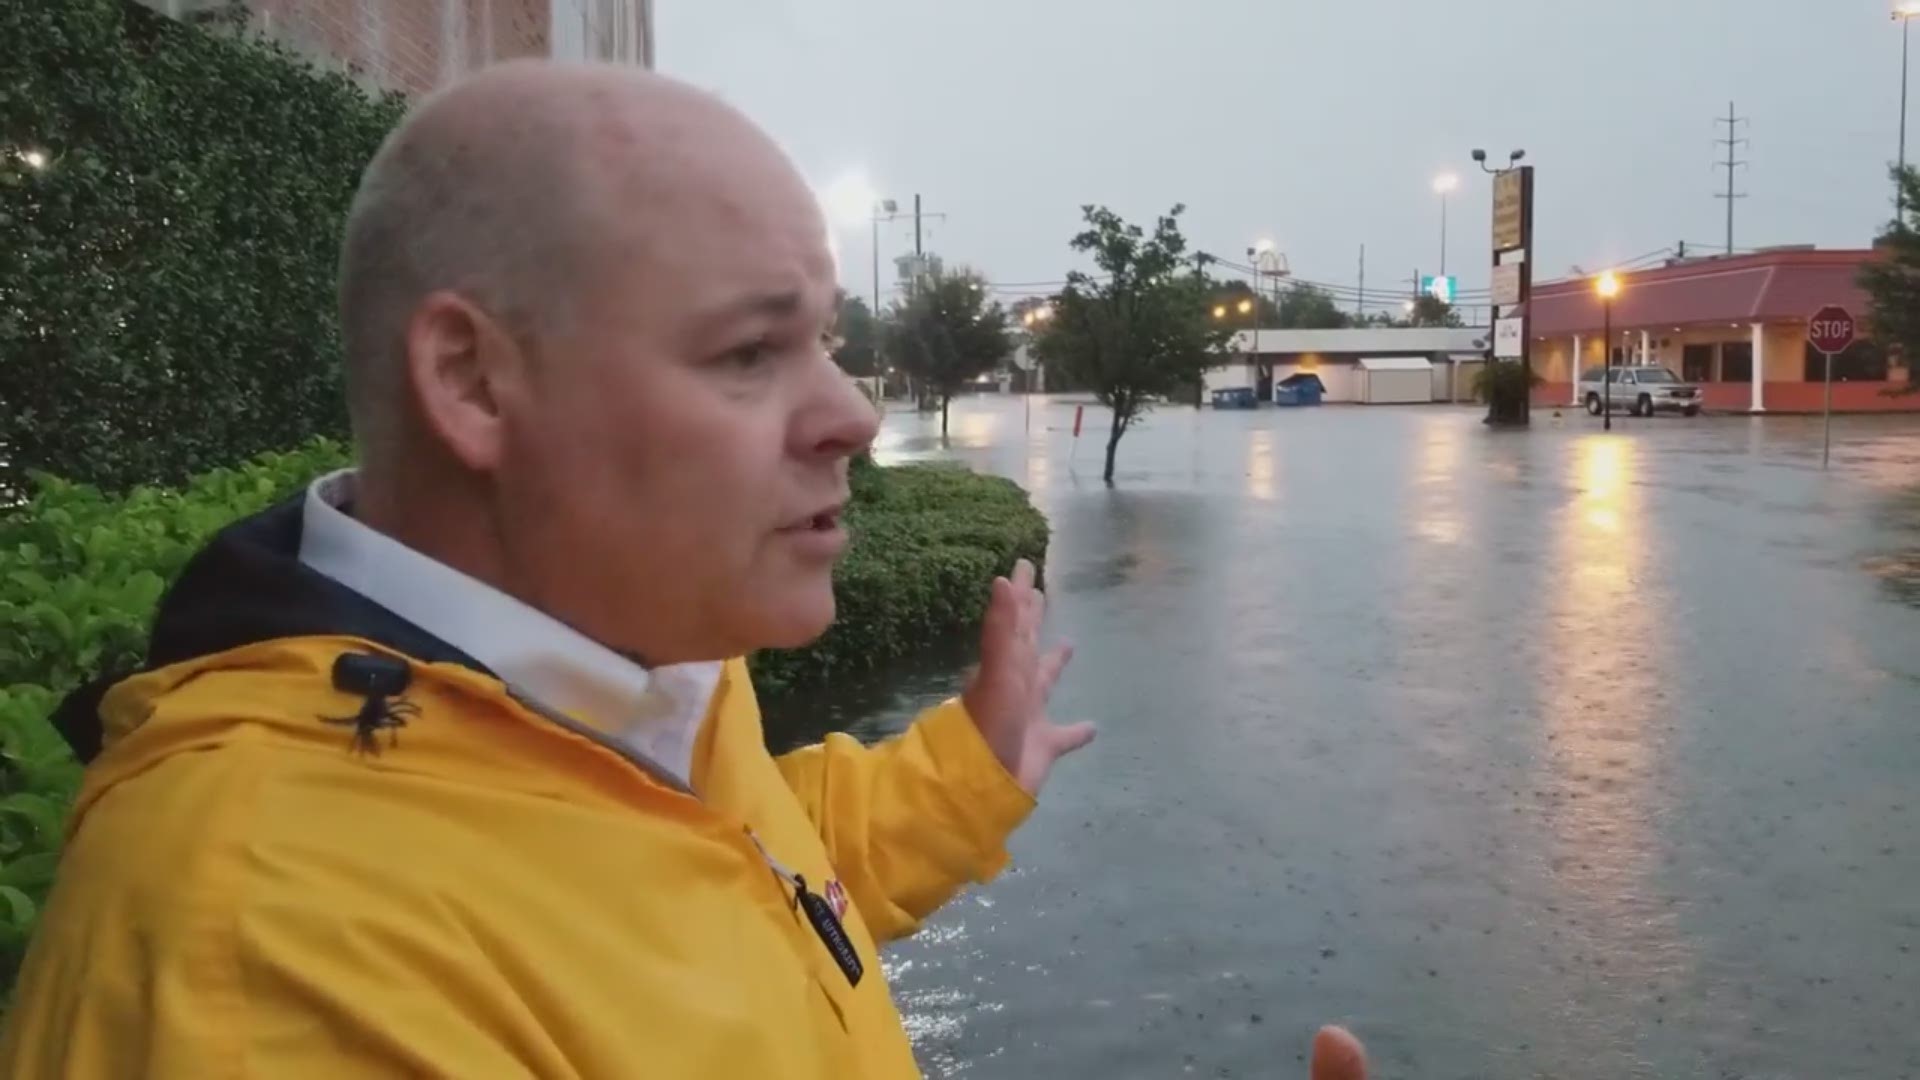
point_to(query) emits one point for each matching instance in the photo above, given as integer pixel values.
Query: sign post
(1830, 332)
(1513, 275)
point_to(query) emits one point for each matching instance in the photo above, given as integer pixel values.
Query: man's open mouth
(825, 521)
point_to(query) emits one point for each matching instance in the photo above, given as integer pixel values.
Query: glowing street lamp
(1607, 285)
(1246, 307)
(1219, 311)
(34, 159)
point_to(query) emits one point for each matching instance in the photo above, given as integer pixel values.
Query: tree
(1227, 299)
(947, 332)
(856, 338)
(1430, 310)
(1892, 281)
(1308, 307)
(1144, 331)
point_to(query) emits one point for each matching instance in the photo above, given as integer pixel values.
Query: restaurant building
(1737, 325)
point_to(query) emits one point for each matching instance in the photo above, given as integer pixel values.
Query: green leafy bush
(927, 540)
(81, 572)
(1505, 386)
(166, 295)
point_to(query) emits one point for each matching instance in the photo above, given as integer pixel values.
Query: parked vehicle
(1641, 389)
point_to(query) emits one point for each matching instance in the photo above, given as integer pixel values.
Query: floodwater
(1525, 754)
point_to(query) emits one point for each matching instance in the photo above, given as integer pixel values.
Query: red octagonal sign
(1831, 329)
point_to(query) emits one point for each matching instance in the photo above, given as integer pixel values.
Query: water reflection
(1436, 500)
(1607, 676)
(1260, 483)
(974, 427)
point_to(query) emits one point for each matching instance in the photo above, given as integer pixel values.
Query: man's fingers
(1051, 665)
(1023, 574)
(1072, 737)
(1337, 1055)
(1001, 627)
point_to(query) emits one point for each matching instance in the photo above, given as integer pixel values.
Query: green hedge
(166, 289)
(81, 571)
(927, 541)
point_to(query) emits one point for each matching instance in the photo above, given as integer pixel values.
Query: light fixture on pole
(1267, 262)
(1035, 317)
(1904, 12)
(1513, 159)
(1444, 185)
(1607, 285)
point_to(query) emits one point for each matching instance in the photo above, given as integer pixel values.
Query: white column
(1759, 368)
(1573, 373)
(1646, 347)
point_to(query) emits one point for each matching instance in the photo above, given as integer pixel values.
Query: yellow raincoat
(475, 887)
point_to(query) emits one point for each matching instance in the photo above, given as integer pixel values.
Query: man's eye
(748, 357)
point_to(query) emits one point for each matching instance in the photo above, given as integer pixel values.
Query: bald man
(450, 766)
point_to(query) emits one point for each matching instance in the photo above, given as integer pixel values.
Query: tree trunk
(1113, 441)
(944, 400)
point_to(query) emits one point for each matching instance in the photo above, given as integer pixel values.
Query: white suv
(1641, 390)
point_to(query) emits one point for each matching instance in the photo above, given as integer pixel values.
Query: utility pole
(1360, 307)
(916, 229)
(1732, 142)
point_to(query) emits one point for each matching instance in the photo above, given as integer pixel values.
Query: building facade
(1737, 326)
(1260, 360)
(413, 46)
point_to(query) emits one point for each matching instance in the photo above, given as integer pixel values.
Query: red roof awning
(1777, 286)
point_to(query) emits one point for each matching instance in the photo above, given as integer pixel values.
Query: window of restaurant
(1736, 362)
(1696, 363)
(1864, 362)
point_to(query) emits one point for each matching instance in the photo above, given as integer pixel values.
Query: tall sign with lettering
(1513, 273)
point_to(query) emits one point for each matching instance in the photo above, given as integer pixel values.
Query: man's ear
(458, 359)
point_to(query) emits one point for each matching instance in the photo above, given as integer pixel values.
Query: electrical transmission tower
(1733, 142)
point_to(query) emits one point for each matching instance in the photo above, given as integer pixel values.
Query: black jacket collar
(248, 585)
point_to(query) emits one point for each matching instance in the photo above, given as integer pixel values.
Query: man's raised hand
(1007, 696)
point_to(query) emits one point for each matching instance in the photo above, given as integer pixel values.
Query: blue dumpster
(1304, 388)
(1237, 397)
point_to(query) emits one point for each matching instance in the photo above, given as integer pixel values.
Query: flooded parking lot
(1541, 754)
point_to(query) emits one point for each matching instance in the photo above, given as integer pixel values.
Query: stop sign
(1831, 329)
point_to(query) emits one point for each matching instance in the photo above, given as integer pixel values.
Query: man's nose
(843, 421)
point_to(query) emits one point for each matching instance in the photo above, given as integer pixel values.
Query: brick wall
(415, 45)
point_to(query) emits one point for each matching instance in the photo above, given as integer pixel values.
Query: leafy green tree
(946, 333)
(1142, 331)
(1432, 311)
(1233, 303)
(856, 344)
(1892, 281)
(1308, 307)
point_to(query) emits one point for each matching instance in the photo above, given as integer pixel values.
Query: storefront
(1717, 321)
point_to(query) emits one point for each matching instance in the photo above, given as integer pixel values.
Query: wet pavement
(1543, 754)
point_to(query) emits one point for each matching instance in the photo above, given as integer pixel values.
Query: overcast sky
(1320, 123)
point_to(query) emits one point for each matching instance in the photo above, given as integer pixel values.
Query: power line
(1733, 143)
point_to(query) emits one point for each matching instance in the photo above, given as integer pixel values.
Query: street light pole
(1905, 14)
(1444, 186)
(1608, 286)
(1606, 367)
(1261, 251)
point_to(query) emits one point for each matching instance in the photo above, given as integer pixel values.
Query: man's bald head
(585, 313)
(524, 189)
